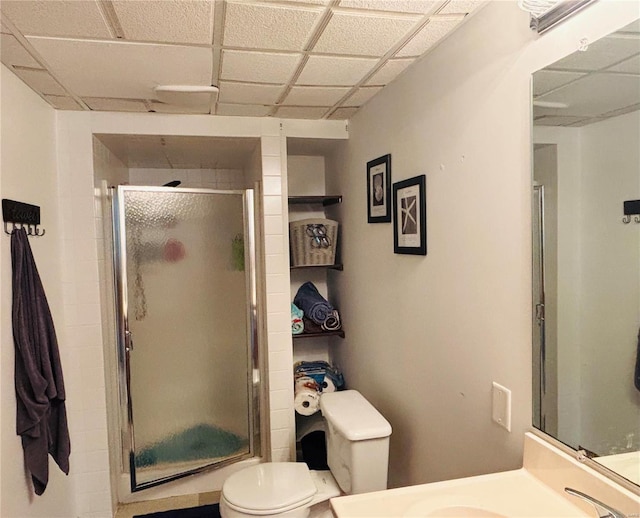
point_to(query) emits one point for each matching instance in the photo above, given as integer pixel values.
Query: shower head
(174, 183)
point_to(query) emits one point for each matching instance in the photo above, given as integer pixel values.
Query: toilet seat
(269, 488)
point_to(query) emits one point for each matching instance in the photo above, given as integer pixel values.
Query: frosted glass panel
(187, 313)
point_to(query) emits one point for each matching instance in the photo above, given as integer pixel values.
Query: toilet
(357, 454)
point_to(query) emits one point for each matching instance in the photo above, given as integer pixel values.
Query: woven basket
(303, 253)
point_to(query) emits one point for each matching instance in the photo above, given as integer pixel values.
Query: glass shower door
(187, 302)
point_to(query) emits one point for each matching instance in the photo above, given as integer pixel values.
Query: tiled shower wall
(223, 179)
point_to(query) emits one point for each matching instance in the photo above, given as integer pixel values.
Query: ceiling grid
(286, 58)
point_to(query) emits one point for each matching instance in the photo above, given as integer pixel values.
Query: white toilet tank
(357, 442)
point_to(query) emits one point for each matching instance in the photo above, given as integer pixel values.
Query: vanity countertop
(536, 490)
(510, 493)
(627, 464)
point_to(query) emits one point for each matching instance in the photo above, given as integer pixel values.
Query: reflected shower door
(186, 325)
(538, 345)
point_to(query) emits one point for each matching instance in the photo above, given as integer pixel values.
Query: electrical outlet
(501, 406)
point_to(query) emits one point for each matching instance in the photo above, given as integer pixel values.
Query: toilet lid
(269, 488)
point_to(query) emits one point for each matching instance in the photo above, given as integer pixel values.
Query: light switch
(501, 406)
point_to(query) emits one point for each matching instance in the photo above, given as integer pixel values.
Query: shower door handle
(128, 341)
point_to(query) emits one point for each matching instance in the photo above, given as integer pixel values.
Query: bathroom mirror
(586, 251)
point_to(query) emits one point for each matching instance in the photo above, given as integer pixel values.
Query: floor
(166, 504)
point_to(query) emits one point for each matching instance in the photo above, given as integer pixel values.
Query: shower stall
(184, 274)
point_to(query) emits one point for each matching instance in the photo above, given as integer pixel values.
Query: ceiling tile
(59, 18)
(389, 71)
(314, 96)
(633, 27)
(246, 93)
(96, 69)
(630, 66)
(157, 106)
(622, 111)
(115, 105)
(376, 34)
(403, 6)
(264, 26)
(600, 54)
(343, 113)
(40, 80)
(258, 67)
(547, 80)
(552, 120)
(362, 95)
(433, 32)
(243, 110)
(589, 97)
(299, 112)
(334, 71)
(61, 102)
(461, 6)
(13, 53)
(166, 20)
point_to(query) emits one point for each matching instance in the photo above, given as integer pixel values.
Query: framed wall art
(379, 190)
(410, 216)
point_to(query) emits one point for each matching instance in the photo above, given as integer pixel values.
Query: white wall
(28, 174)
(569, 258)
(610, 287)
(428, 335)
(599, 282)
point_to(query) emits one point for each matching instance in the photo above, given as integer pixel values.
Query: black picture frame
(379, 190)
(410, 216)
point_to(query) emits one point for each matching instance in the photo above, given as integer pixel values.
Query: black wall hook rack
(631, 208)
(21, 215)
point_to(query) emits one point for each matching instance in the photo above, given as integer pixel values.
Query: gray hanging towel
(636, 372)
(41, 415)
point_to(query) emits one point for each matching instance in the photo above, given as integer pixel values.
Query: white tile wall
(190, 178)
(280, 354)
(82, 330)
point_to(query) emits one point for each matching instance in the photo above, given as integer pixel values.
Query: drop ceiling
(601, 82)
(314, 59)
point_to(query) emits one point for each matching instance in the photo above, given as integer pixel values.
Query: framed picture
(410, 216)
(379, 190)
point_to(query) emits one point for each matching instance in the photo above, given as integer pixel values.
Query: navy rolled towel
(314, 305)
(332, 323)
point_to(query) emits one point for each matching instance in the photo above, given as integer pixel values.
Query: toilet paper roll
(306, 401)
(328, 385)
(306, 382)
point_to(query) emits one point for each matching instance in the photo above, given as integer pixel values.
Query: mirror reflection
(586, 260)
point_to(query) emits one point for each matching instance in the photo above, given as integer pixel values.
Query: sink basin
(426, 510)
(452, 506)
(462, 511)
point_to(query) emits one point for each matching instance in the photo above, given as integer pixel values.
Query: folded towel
(332, 323)
(297, 326)
(314, 305)
(310, 326)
